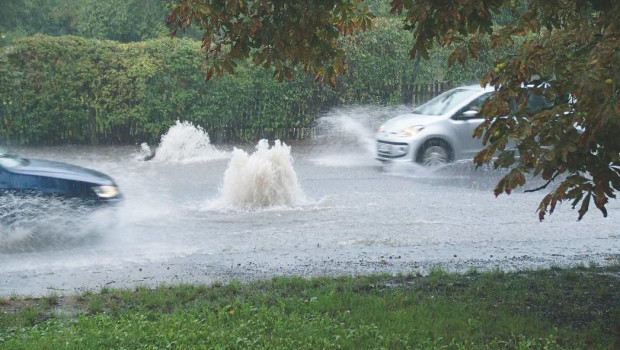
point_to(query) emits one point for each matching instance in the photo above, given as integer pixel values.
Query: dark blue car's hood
(60, 170)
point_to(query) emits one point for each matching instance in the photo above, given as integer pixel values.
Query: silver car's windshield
(445, 102)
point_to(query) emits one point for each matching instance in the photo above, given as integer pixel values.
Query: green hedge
(70, 89)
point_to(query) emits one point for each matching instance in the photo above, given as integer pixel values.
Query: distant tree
(27, 17)
(121, 20)
(571, 45)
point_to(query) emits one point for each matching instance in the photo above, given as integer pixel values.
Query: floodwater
(200, 213)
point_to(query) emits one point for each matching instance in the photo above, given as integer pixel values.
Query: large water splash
(186, 143)
(346, 137)
(37, 223)
(263, 179)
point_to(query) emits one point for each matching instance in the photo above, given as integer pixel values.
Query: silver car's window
(476, 104)
(445, 102)
(535, 103)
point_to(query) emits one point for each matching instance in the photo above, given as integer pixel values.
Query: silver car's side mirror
(470, 114)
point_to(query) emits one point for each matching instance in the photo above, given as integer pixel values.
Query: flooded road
(199, 213)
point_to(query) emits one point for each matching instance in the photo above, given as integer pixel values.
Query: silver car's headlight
(410, 130)
(381, 128)
(106, 191)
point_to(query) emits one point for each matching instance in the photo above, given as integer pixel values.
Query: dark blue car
(42, 177)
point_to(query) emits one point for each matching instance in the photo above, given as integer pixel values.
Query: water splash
(263, 179)
(186, 143)
(346, 137)
(38, 223)
(145, 152)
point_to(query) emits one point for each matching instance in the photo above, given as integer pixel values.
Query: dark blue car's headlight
(106, 191)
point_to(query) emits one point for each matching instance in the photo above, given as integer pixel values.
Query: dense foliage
(572, 46)
(70, 89)
(121, 20)
(280, 33)
(571, 57)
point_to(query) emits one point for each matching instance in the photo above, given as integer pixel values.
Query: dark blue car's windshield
(445, 102)
(11, 161)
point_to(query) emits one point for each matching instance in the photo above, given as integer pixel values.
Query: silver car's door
(465, 122)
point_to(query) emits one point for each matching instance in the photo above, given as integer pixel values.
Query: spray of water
(263, 179)
(185, 143)
(145, 152)
(346, 137)
(37, 223)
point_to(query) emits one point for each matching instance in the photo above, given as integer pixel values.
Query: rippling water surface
(199, 212)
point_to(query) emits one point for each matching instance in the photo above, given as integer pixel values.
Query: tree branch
(545, 185)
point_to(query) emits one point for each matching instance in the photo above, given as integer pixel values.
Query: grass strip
(557, 308)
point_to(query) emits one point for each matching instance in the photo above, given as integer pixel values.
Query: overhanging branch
(545, 185)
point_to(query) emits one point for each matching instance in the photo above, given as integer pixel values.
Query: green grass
(576, 308)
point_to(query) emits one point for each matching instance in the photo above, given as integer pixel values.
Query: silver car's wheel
(434, 153)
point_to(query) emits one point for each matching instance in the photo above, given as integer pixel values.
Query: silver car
(436, 132)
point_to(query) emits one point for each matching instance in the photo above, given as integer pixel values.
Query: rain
(197, 212)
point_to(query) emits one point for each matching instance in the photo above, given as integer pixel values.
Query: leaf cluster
(570, 56)
(279, 34)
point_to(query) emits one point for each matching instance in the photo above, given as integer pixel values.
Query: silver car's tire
(434, 153)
